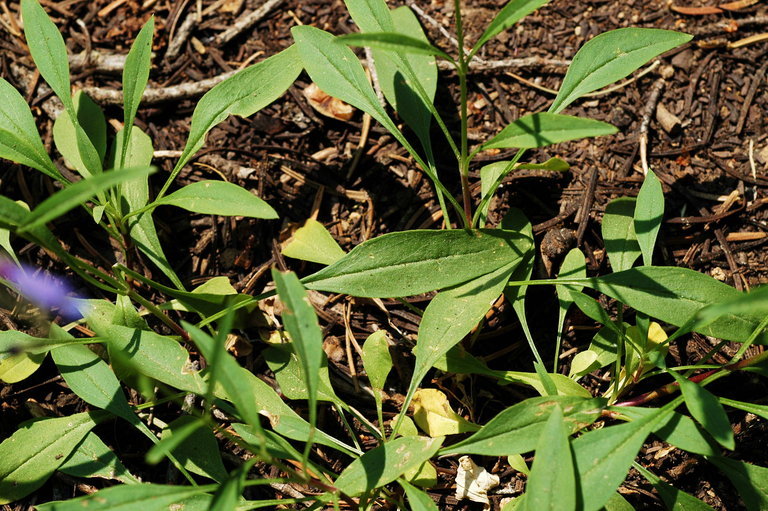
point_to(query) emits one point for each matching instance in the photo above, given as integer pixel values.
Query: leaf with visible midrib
(135, 77)
(619, 233)
(35, 451)
(76, 194)
(611, 56)
(513, 12)
(386, 463)
(148, 497)
(219, 198)
(413, 262)
(243, 94)
(19, 138)
(543, 129)
(649, 212)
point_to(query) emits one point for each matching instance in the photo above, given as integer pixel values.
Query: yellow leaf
(434, 415)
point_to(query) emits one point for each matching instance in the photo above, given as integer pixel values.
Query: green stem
(463, 158)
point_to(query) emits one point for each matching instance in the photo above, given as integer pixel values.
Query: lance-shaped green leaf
(90, 377)
(93, 458)
(312, 242)
(19, 139)
(760, 410)
(413, 262)
(514, 11)
(398, 88)
(518, 428)
(451, 315)
(198, 452)
(675, 500)
(218, 198)
(611, 56)
(750, 480)
(675, 295)
(649, 212)
(243, 94)
(301, 323)
(393, 41)
(34, 451)
(376, 358)
(50, 55)
(619, 233)
(91, 120)
(153, 355)
(418, 500)
(706, 409)
(147, 497)
(76, 194)
(603, 457)
(386, 463)
(573, 266)
(135, 77)
(543, 129)
(551, 484)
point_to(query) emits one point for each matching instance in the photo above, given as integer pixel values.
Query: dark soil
(301, 163)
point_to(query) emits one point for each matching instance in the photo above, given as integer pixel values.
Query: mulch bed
(301, 163)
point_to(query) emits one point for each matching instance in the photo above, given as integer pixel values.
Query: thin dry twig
(245, 22)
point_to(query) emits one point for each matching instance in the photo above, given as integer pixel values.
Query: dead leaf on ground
(327, 105)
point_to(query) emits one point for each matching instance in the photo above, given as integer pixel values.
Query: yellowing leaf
(20, 366)
(434, 415)
(312, 242)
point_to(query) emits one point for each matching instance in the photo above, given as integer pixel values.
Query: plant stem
(462, 70)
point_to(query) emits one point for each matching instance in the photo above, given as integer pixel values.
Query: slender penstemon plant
(577, 465)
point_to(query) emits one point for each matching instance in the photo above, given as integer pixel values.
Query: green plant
(577, 466)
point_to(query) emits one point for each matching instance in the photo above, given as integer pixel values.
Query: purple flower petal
(41, 289)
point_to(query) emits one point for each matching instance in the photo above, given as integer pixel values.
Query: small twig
(181, 36)
(756, 80)
(586, 205)
(650, 107)
(161, 94)
(478, 64)
(245, 22)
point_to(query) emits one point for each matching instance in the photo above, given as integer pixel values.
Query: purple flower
(43, 290)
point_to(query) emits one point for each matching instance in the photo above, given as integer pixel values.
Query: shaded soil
(302, 164)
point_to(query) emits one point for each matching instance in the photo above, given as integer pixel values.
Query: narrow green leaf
(674, 295)
(19, 138)
(48, 49)
(337, 71)
(218, 198)
(674, 499)
(312, 242)
(153, 355)
(418, 500)
(398, 88)
(34, 451)
(393, 41)
(452, 314)
(385, 463)
(619, 233)
(551, 484)
(611, 56)
(90, 120)
(283, 361)
(413, 262)
(543, 129)
(518, 429)
(649, 213)
(603, 457)
(750, 480)
(376, 359)
(514, 11)
(370, 15)
(760, 410)
(147, 497)
(243, 94)
(135, 77)
(678, 430)
(198, 452)
(76, 194)
(573, 266)
(706, 409)
(93, 458)
(90, 377)
(228, 495)
(301, 323)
